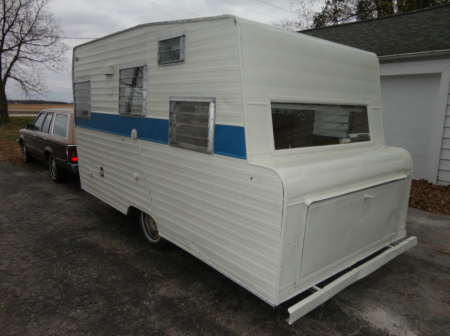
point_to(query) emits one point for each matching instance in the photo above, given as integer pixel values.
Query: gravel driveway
(72, 265)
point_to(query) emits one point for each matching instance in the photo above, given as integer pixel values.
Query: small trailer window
(133, 91)
(171, 50)
(82, 99)
(298, 125)
(192, 124)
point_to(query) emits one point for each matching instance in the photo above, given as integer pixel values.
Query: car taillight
(72, 155)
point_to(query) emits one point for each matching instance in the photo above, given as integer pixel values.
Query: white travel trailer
(259, 151)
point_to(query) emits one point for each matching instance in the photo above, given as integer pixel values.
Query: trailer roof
(162, 23)
(294, 34)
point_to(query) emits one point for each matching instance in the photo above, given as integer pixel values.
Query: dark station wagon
(51, 138)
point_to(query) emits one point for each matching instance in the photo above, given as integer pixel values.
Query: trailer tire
(150, 231)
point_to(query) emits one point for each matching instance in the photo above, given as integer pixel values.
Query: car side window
(60, 125)
(38, 122)
(47, 122)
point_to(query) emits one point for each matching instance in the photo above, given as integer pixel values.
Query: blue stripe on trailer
(228, 140)
(156, 130)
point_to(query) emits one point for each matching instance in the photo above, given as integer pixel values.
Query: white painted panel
(338, 228)
(411, 119)
(220, 209)
(123, 182)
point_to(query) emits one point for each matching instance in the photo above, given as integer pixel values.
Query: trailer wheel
(150, 230)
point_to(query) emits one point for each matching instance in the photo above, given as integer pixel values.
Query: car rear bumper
(73, 168)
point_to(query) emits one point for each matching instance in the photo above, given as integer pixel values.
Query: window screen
(60, 125)
(191, 124)
(46, 125)
(38, 122)
(171, 50)
(82, 99)
(132, 91)
(308, 125)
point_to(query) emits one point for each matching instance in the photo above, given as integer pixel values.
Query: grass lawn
(10, 150)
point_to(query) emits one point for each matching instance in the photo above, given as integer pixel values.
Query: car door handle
(34, 136)
(45, 139)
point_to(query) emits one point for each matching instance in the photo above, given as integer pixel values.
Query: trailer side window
(82, 99)
(133, 91)
(191, 124)
(298, 125)
(171, 50)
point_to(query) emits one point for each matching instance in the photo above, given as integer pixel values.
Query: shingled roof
(418, 31)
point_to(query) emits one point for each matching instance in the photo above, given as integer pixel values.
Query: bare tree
(30, 42)
(322, 13)
(305, 10)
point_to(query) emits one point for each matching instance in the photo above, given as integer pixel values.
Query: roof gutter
(422, 54)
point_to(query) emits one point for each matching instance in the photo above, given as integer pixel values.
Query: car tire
(150, 231)
(25, 155)
(56, 173)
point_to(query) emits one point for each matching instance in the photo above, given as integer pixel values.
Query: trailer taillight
(72, 155)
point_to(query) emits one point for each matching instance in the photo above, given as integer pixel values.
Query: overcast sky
(97, 18)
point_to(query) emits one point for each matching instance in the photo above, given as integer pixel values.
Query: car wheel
(150, 230)
(25, 155)
(56, 173)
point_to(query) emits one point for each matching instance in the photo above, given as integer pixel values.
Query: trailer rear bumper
(323, 294)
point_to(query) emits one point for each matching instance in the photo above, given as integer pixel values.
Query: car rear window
(46, 125)
(60, 125)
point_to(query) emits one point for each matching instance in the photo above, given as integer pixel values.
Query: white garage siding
(411, 118)
(444, 163)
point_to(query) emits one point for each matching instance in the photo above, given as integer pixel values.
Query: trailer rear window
(192, 124)
(133, 91)
(298, 125)
(82, 99)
